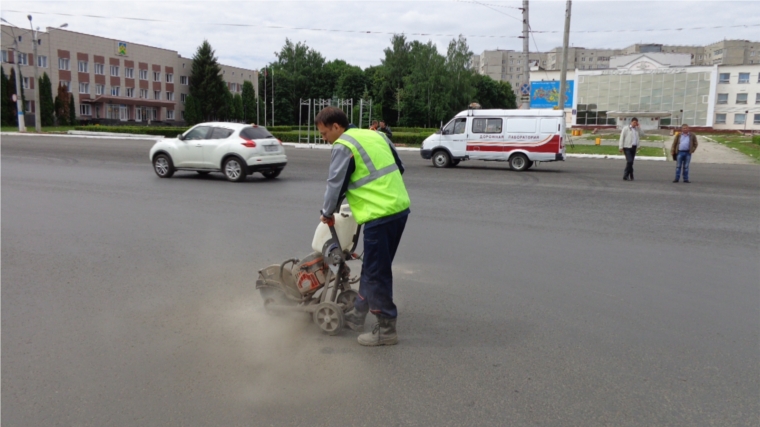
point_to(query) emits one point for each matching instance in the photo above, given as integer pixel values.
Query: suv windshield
(256, 133)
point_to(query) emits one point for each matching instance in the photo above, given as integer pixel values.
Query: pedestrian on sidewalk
(684, 145)
(630, 141)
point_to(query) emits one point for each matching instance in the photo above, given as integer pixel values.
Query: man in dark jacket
(684, 145)
(384, 128)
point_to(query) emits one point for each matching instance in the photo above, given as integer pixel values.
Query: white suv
(236, 150)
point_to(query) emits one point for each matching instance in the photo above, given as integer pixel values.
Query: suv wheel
(163, 166)
(233, 170)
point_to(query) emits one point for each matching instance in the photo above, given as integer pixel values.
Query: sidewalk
(709, 151)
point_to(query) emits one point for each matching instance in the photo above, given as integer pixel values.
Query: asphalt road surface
(561, 296)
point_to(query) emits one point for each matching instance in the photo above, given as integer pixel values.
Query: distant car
(236, 150)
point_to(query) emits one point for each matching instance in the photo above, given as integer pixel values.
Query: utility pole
(272, 96)
(563, 73)
(19, 90)
(526, 51)
(37, 106)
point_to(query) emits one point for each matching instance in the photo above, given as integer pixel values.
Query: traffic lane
(485, 394)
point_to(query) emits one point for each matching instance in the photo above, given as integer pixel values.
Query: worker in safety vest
(366, 168)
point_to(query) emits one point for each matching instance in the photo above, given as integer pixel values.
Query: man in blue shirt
(684, 145)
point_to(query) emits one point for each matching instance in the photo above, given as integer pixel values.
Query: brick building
(111, 80)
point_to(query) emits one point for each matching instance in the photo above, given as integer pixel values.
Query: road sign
(13, 97)
(525, 89)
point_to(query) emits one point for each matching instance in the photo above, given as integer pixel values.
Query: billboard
(546, 94)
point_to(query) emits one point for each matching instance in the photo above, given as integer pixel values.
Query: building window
(183, 97)
(143, 74)
(5, 56)
(144, 93)
(740, 119)
(156, 94)
(84, 87)
(66, 84)
(99, 69)
(724, 77)
(156, 76)
(170, 96)
(583, 59)
(28, 106)
(23, 59)
(183, 80)
(63, 63)
(85, 110)
(25, 83)
(115, 90)
(756, 120)
(757, 98)
(100, 89)
(743, 77)
(83, 68)
(41, 61)
(169, 114)
(741, 98)
(129, 73)
(169, 78)
(115, 70)
(130, 92)
(722, 98)
(720, 119)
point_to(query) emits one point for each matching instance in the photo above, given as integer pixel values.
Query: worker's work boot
(354, 320)
(384, 333)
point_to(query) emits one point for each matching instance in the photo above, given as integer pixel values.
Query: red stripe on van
(551, 146)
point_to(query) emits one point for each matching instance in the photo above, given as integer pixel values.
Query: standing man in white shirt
(630, 140)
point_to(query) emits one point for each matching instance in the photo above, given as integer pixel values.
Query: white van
(520, 137)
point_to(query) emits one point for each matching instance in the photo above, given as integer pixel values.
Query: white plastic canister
(345, 228)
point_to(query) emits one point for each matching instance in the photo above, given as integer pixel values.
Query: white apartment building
(737, 102)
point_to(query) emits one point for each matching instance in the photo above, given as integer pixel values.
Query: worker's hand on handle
(329, 221)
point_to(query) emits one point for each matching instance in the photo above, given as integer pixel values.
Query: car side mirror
(181, 137)
(447, 132)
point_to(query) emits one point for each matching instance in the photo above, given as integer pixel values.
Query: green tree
(193, 113)
(460, 74)
(7, 108)
(47, 107)
(395, 66)
(351, 84)
(425, 87)
(62, 106)
(490, 93)
(11, 91)
(237, 104)
(72, 111)
(249, 102)
(206, 83)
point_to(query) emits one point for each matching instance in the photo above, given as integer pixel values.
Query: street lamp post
(37, 106)
(19, 89)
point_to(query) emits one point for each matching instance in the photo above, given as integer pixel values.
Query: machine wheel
(329, 317)
(233, 170)
(203, 173)
(347, 298)
(519, 162)
(530, 164)
(455, 162)
(163, 166)
(441, 159)
(271, 174)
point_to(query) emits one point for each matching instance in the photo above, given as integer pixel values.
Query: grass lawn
(45, 129)
(612, 150)
(617, 137)
(741, 143)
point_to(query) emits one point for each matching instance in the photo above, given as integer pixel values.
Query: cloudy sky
(247, 33)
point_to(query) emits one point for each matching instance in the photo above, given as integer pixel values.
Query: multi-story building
(497, 64)
(661, 89)
(111, 80)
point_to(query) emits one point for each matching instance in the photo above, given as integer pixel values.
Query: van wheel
(441, 159)
(455, 162)
(519, 162)
(530, 164)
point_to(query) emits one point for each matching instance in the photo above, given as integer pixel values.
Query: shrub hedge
(169, 132)
(408, 139)
(756, 139)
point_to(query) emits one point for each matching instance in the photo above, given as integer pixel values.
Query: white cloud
(253, 46)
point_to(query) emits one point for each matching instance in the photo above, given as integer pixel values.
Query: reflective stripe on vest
(373, 172)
